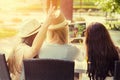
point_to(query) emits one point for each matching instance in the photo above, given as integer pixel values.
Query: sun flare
(7, 4)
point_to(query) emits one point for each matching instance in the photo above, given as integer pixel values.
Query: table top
(80, 66)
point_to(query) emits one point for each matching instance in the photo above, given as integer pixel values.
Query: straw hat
(28, 28)
(59, 22)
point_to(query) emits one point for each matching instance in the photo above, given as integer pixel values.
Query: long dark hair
(101, 52)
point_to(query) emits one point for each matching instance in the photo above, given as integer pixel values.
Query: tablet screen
(76, 29)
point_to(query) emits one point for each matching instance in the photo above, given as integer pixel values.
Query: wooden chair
(4, 71)
(117, 70)
(48, 69)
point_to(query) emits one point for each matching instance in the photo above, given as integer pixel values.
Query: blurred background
(78, 12)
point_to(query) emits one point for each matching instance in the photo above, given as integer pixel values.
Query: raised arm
(40, 37)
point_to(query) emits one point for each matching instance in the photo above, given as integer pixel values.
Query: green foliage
(111, 6)
(84, 4)
(113, 25)
(81, 28)
(117, 1)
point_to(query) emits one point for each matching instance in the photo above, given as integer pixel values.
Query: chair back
(4, 71)
(117, 70)
(48, 69)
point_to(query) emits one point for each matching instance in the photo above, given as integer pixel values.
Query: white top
(56, 51)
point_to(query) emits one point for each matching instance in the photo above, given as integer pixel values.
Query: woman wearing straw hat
(56, 45)
(29, 45)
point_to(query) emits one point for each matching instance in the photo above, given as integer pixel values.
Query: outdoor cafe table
(80, 68)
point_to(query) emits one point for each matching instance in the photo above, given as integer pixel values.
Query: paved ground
(115, 37)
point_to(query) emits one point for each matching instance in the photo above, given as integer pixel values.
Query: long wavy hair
(101, 52)
(13, 62)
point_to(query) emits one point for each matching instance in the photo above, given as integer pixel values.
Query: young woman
(56, 45)
(101, 52)
(29, 44)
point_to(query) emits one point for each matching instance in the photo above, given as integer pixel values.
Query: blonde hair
(59, 36)
(13, 65)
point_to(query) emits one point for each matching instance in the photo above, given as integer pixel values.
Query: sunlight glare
(8, 4)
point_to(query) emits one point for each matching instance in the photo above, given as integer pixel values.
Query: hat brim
(58, 26)
(30, 34)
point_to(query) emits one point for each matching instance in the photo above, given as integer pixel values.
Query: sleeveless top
(57, 51)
